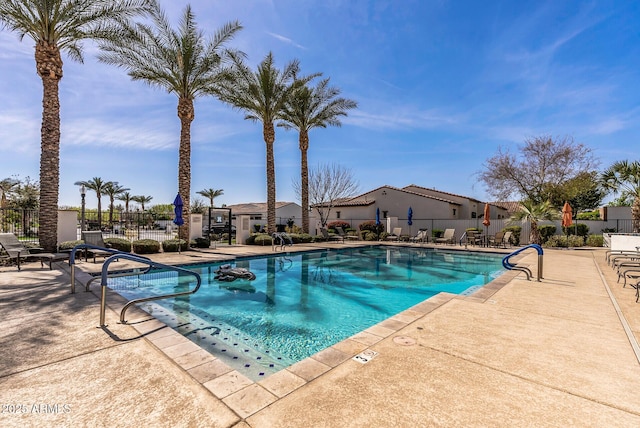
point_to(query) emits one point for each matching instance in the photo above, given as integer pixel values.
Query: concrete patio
(560, 352)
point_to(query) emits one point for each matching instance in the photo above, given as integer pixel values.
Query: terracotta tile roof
(444, 193)
(254, 207)
(510, 206)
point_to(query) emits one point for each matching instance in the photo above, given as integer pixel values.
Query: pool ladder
(510, 266)
(135, 258)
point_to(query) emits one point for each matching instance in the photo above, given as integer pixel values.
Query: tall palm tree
(97, 185)
(113, 189)
(58, 26)
(262, 95)
(141, 199)
(310, 108)
(125, 197)
(180, 61)
(624, 177)
(211, 194)
(534, 213)
(7, 186)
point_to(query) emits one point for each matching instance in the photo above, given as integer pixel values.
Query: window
(384, 214)
(454, 212)
(473, 214)
(337, 214)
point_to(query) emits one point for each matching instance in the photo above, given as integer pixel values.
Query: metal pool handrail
(527, 271)
(151, 264)
(72, 261)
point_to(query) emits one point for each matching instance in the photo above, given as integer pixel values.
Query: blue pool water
(302, 303)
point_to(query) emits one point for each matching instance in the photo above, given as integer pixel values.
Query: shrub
(609, 230)
(300, 238)
(437, 233)
(473, 229)
(547, 231)
(583, 230)
(595, 241)
(171, 245)
(260, 239)
(371, 226)
(515, 233)
(564, 241)
(68, 245)
(339, 223)
(294, 229)
(145, 246)
(119, 244)
(201, 243)
(369, 235)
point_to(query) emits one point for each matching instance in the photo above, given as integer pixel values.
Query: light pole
(83, 193)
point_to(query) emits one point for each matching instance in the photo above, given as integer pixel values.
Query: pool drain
(404, 341)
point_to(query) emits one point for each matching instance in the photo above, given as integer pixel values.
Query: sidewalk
(524, 353)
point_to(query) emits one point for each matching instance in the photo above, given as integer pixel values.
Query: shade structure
(410, 216)
(567, 214)
(487, 215)
(178, 206)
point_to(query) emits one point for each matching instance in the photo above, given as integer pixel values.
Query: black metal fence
(23, 223)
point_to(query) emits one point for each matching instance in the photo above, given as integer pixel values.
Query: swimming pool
(302, 303)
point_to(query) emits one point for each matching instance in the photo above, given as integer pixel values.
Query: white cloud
(285, 40)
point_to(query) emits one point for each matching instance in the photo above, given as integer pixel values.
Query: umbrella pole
(179, 242)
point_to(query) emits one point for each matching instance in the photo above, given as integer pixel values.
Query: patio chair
(449, 237)
(395, 234)
(94, 237)
(473, 237)
(344, 235)
(421, 236)
(16, 250)
(330, 237)
(496, 239)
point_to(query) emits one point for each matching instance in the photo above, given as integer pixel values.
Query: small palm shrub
(119, 244)
(172, 245)
(146, 246)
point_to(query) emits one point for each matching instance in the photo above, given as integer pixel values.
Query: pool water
(302, 303)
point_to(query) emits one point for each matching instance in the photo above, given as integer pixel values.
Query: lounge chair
(395, 234)
(329, 237)
(422, 236)
(344, 235)
(449, 237)
(94, 238)
(16, 250)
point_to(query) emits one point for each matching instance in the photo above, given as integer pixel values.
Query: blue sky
(441, 85)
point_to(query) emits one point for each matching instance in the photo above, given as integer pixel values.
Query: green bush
(68, 245)
(515, 234)
(260, 239)
(146, 246)
(171, 245)
(371, 226)
(547, 231)
(595, 241)
(119, 244)
(564, 241)
(300, 238)
(583, 230)
(437, 233)
(201, 243)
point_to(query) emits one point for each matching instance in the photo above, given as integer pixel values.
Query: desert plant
(595, 241)
(173, 245)
(119, 244)
(145, 246)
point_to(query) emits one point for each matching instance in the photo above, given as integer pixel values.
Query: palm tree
(113, 190)
(97, 185)
(262, 95)
(624, 177)
(141, 199)
(58, 26)
(310, 108)
(179, 61)
(534, 213)
(211, 194)
(6, 188)
(125, 197)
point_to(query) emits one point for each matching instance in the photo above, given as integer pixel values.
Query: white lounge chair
(449, 237)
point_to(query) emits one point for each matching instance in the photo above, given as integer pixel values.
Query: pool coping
(246, 397)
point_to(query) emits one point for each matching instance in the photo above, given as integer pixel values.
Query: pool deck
(559, 352)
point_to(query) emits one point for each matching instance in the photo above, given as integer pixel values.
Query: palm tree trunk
(635, 214)
(49, 67)
(269, 135)
(304, 179)
(186, 113)
(100, 210)
(534, 236)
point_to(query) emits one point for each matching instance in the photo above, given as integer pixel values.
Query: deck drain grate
(365, 356)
